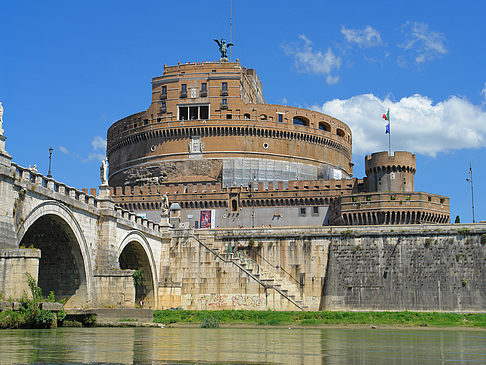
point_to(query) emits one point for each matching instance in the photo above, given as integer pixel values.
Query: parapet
(400, 160)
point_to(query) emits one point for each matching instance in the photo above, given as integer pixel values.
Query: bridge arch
(135, 253)
(65, 264)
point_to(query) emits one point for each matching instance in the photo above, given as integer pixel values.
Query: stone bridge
(86, 250)
(89, 248)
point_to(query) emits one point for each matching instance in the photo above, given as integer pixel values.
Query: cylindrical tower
(209, 123)
(390, 173)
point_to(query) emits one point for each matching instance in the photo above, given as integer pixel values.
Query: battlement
(402, 160)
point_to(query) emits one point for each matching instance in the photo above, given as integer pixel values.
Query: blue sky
(68, 70)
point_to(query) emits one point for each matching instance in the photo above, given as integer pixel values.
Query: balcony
(163, 96)
(224, 92)
(223, 106)
(183, 94)
(203, 93)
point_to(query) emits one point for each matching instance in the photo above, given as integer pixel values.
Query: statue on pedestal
(1, 118)
(165, 206)
(103, 171)
(164, 213)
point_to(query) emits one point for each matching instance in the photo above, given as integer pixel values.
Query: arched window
(340, 132)
(301, 121)
(324, 126)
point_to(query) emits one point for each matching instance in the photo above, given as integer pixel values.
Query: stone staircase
(269, 279)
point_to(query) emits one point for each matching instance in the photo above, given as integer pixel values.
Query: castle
(225, 158)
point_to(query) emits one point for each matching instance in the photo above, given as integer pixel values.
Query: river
(242, 346)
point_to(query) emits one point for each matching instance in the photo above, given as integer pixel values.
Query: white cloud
(417, 124)
(98, 145)
(483, 93)
(366, 37)
(311, 61)
(64, 150)
(426, 44)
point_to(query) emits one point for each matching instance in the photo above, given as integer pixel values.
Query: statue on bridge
(223, 48)
(1, 118)
(165, 205)
(103, 171)
(165, 211)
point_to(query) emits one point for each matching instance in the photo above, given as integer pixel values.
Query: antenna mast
(231, 25)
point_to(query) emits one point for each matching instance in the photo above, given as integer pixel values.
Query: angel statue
(223, 48)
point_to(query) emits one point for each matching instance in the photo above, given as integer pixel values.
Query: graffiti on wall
(231, 300)
(240, 300)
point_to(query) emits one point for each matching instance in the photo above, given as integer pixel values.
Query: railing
(32, 176)
(246, 271)
(133, 217)
(278, 267)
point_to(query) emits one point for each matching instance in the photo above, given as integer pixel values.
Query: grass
(325, 318)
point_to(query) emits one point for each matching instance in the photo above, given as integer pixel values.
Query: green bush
(45, 319)
(138, 277)
(89, 320)
(209, 322)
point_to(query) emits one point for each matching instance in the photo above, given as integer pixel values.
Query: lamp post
(50, 158)
(470, 179)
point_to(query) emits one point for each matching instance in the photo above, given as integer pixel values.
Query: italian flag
(387, 115)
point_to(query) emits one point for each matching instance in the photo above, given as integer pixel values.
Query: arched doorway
(134, 257)
(61, 267)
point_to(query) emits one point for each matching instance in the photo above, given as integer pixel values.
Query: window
(340, 132)
(323, 126)
(183, 113)
(315, 211)
(301, 121)
(224, 101)
(164, 90)
(204, 90)
(302, 212)
(229, 116)
(163, 106)
(204, 112)
(234, 205)
(247, 116)
(224, 86)
(183, 91)
(193, 112)
(280, 118)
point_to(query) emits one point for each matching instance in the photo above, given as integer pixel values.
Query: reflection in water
(242, 346)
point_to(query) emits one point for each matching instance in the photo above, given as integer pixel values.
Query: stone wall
(414, 269)
(426, 267)
(14, 264)
(114, 289)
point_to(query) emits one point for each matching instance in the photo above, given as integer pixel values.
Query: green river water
(242, 346)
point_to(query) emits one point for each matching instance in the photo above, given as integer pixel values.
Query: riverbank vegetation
(324, 318)
(29, 313)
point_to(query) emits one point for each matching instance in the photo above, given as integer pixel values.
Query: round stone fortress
(210, 144)
(208, 122)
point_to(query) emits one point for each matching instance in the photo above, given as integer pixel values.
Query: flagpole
(389, 137)
(472, 191)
